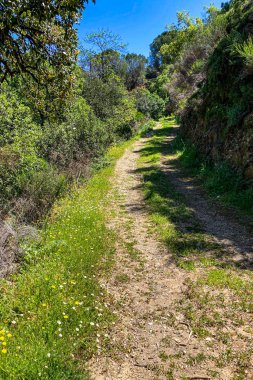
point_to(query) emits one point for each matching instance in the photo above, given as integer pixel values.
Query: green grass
(147, 128)
(242, 288)
(173, 220)
(53, 312)
(220, 180)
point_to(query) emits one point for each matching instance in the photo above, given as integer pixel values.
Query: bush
(28, 184)
(147, 128)
(151, 105)
(112, 104)
(220, 178)
(18, 162)
(16, 118)
(39, 193)
(79, 138)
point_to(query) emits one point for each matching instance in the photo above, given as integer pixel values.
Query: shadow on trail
(193, 229)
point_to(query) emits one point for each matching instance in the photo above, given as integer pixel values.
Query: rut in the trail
(147, 287)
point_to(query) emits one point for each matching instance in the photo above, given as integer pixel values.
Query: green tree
(135, 70)
(181, 33)
(100, 54)
(156, 59)
(33, 32)
(103, 96)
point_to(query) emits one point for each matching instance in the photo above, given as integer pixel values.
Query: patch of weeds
(187, 265)
(207, 262)
(147, 128)
(242, 360)
(163, 356)
(241, 287)
(196, 360)
(227, 279)
(178, 355)
(122, 278)
(133, 252)
(213, 374)
(225, 358)
(200, 332)
(101, 163)
(169, 375)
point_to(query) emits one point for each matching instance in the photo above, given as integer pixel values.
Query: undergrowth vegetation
(220, 179)
(37, 159)
(54, 311)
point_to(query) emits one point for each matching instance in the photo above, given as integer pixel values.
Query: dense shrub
(190, 69)
(150, 104)
(81, 136)
(112, 104)
(16, 119)
(37, 158)
(221, 107)
(28, 184)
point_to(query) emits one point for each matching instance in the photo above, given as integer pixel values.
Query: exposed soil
(152, 339)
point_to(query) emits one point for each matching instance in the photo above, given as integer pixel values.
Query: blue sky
(138, 22)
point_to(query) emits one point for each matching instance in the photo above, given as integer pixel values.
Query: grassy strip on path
(167, 207)
(217, 302)
(220, 180)
(53, 312)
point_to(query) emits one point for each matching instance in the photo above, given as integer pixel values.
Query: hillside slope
(218, 118)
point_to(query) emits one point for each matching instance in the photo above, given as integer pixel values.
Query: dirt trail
(149, 291)
(146, 285)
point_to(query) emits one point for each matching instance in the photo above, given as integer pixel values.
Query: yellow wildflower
(76, 303)
(4, 343)
(65, 317)
(9, 335)
(4, 351)
(2, 338)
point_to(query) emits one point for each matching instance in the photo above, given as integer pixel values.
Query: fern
(245, 51)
